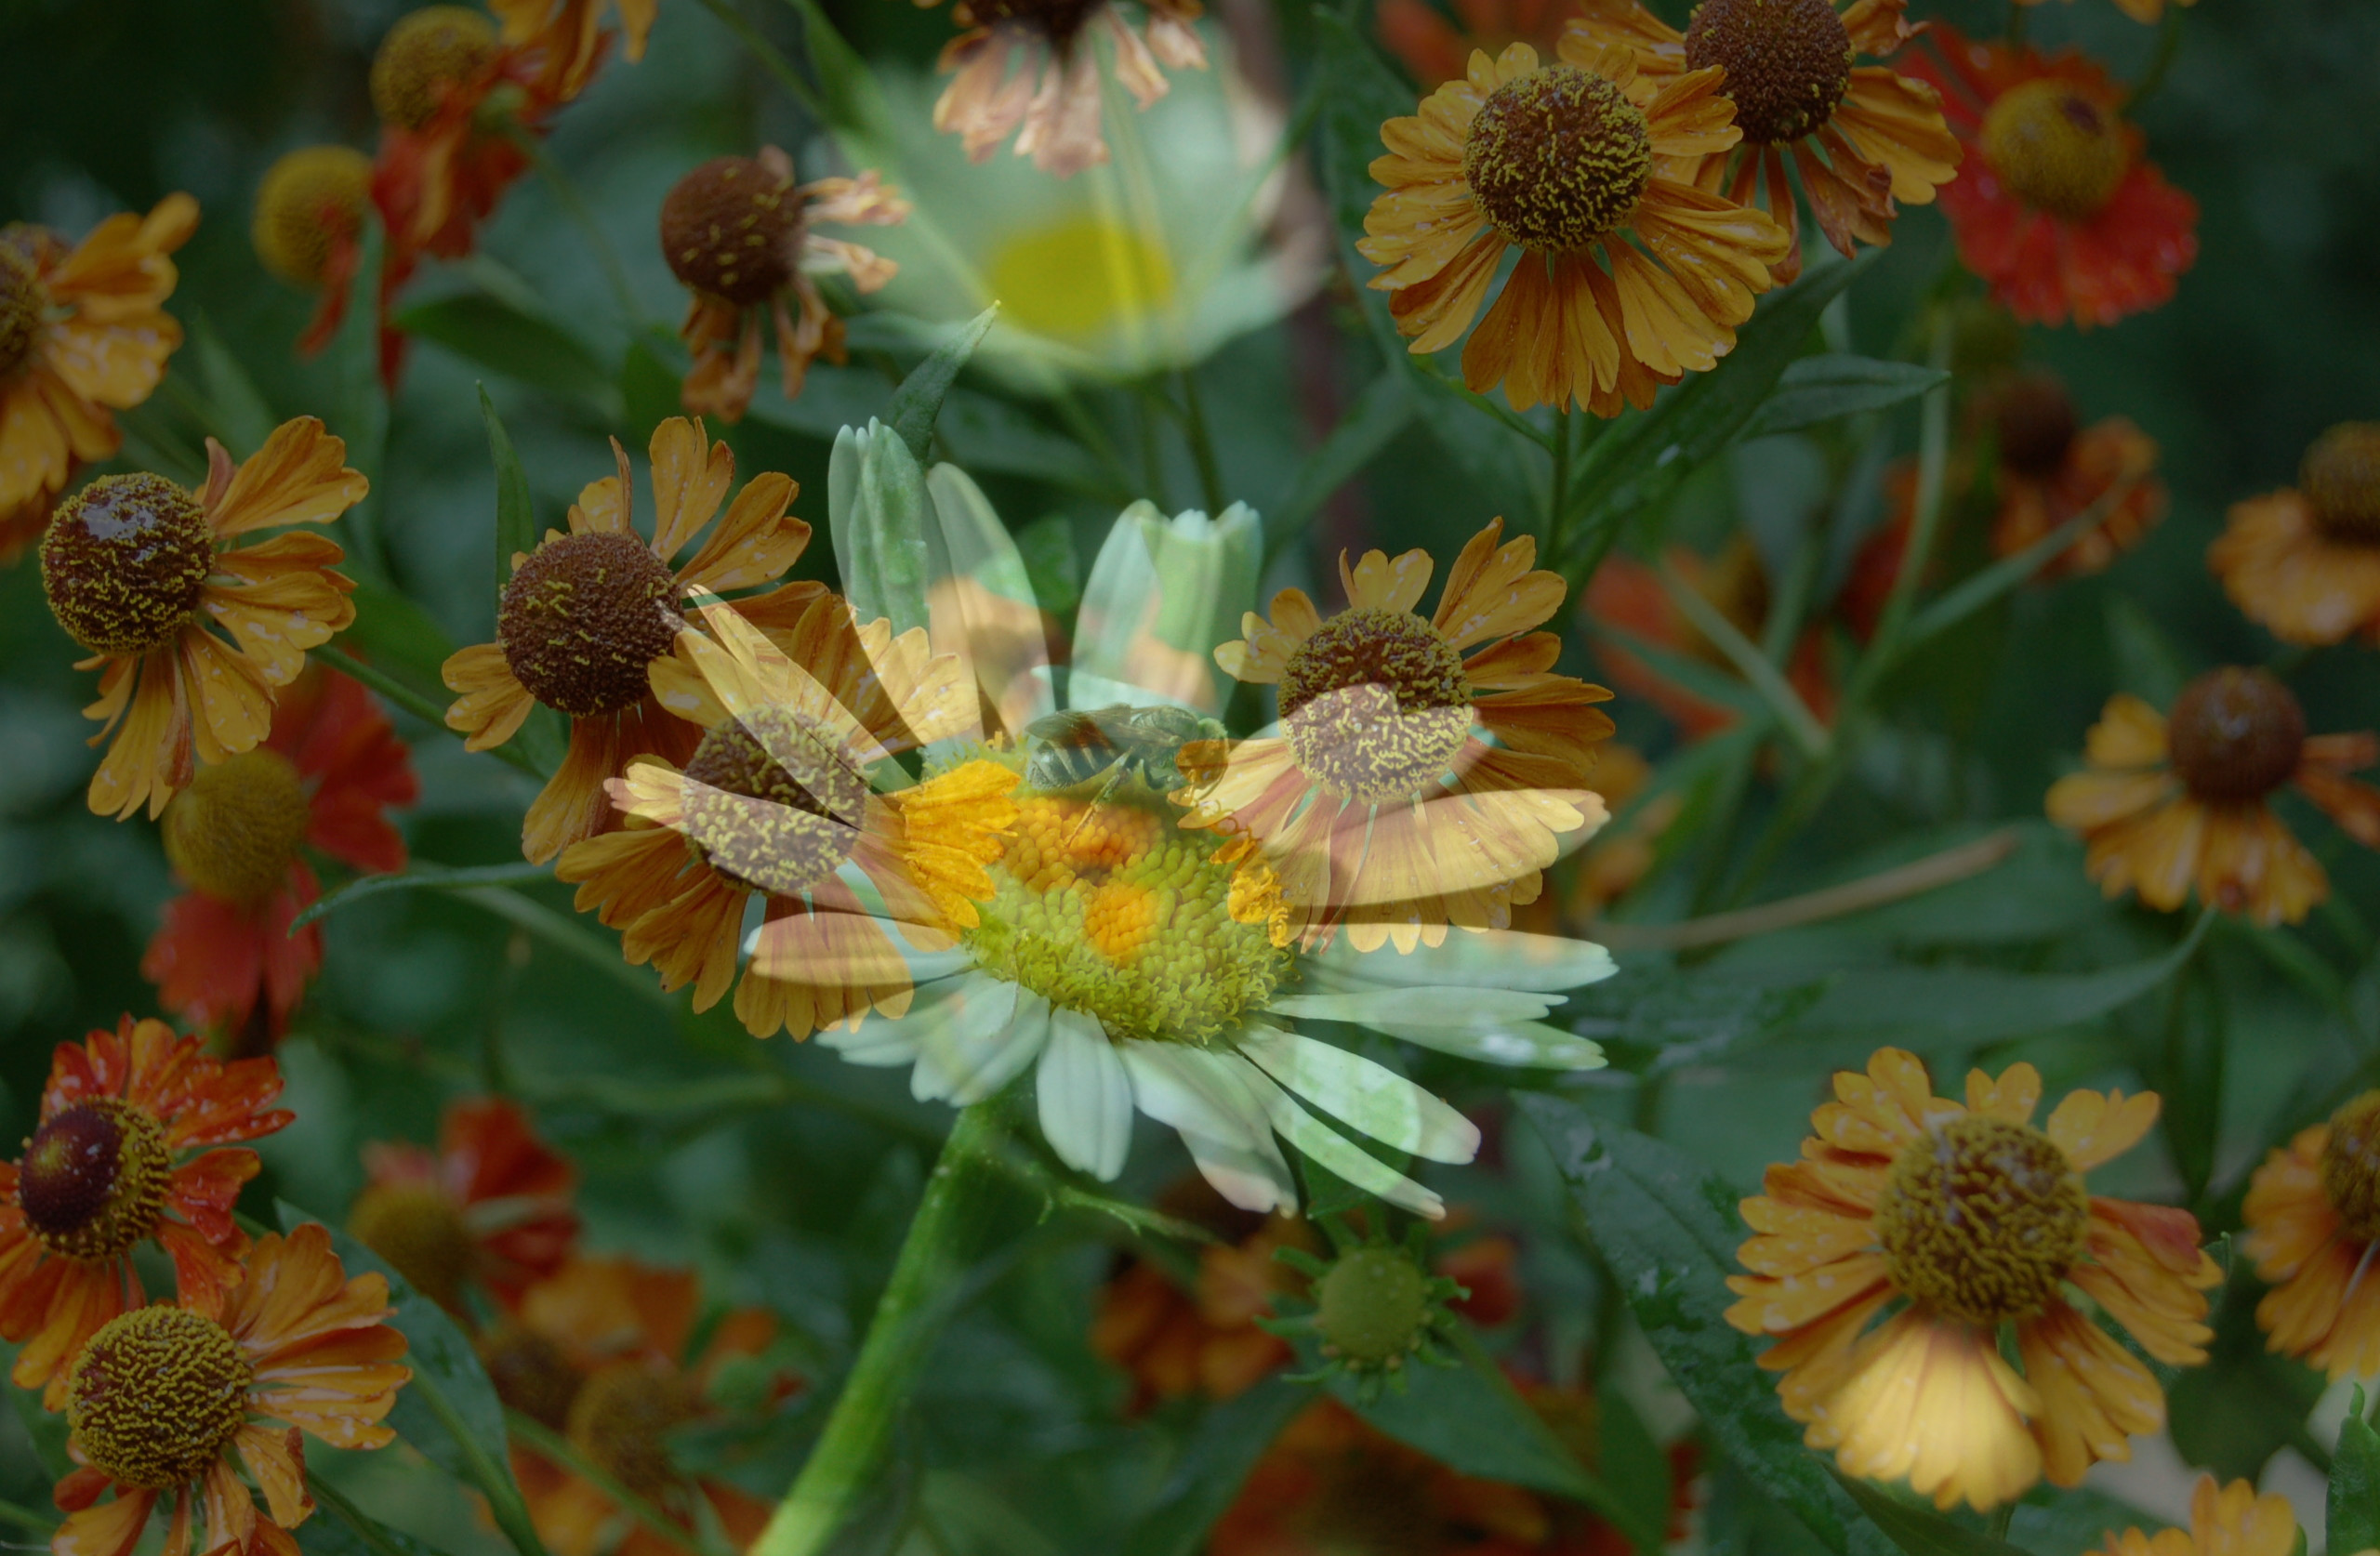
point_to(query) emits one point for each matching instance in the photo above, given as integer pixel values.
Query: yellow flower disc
(1982, 1219)
(2351, 1165)
(309, 200)
(1788, 62)
(1374, 704)
(424, 53)
(417, 1228)
(157, 1395)
(1558, 158)
(2056, 149)
(94, 1178)
(234, 831)
(124, 563)
(2340, 479)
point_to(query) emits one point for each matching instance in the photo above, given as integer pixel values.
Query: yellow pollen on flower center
(419, 1229)
(1558, 158)
(424, 53)
(2351, 1166)
(1374, 704)
(1982, 1219)
(124, 563)
(732, 228)
(773, 804)
(2340, 479)
(619, 1420)
(22, 303)
(1788, 62)
(235, 831)
(309, 202)
(1080, 277)
(2236, 735)
(94, 1178)
(157, 1396)
(2056, 149)
(583, 619)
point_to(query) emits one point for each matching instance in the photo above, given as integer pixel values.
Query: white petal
(1489, 959)
(992, 1031)
(1453, 1009)
(1251, 1180)
(1372, 1097)
(1336, 1152)
(1225, 1128)
(1084, 1097)
(1532, 1044)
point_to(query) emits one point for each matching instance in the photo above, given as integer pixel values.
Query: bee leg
(1090, 808)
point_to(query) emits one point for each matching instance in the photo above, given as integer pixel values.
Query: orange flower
(2166, 805)
(135, 567)
(601, 1353)
(586, 611)
(2313, 1215)
(1976, 1221)
(108, 1170)
(83, 332)
(1629, 595)
(1437, 51)
(2304, 562)
(1789, 73)
(571, 36)
(2055, 207)
(2050, 472)
(309, 228)
(490, 1205)
(736, 230)
(322, 779)
(2233, 1521)
(1052, 40)
(1175, 1343)
(163, 1397)
(1568, 162)
(1379, 805)
(775, 799)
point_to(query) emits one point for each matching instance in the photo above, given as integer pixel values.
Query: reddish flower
(491, 1205)
(2052, 471)
(108, 1170)
(1204, 1340)
(2055, 207)
(322, 778)
(1627, 594)
(308, 229)
(1438, 51)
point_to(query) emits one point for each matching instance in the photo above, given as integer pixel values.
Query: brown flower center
(2351, 1165)
(619, 1420)
(22, 303)
(2056, 149)
(419, 1231)
(234, 832)
(2034, 420)
(1058, 20)
(732, 228)
(772, 803)
(530, 1374)
(2341, 480)
(157, 1396)
(125, 561)
(1788, 62)
(582, 619)
(1558, 158)
(1375, 704)
(1981, 1219)
(2236, 734)
(424, 55)
(93, 1180)
(310, 200)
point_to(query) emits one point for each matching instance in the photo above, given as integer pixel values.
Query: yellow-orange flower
(161, 1402)
(83, 332)
(136, 567)
(2169, 804)
(1972, 1221)
(1032, 67)
(1205, 1339)
(2313, 1215)
(2052, 471)
(2303, 562)
(737, 233)
(2229, 1521)
(588, 611)
(1435, 49)
(567, 37)
(1568, 162)
(775, 799)
(1797, 93)
(1379, 805)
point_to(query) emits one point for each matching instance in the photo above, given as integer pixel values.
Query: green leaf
(1922, 1531)
(2246, 1404)
(399, 639)
(422, 874)
(918, 399)
(1359, 93)
(2149, 663)
(516, 521)
(563, 933)
(345, 1529)
(1823, 388)
(1684, 1018)
(236, 408)
(1669, 1232)
(1700, 678)
(2354, 1521)
(877, 511)
(1214, 1463)
(46, 1431)
(849, 96)
(1051, 564)
(1384, 408)
(528, 350)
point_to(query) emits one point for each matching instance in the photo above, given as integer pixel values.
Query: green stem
(2016, 15)
(27, 1520)
(2169, 43)
(1202, 446)
(1749, 661)
(771, 60)
(365, 1527)
(899, 1340)
(1557, 501)
(555, 1447)
(412, 702)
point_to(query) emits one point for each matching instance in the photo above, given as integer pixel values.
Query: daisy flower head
(1566, 161)
(2234, 1520)
(602, 1353)
(1031, 68)
(1380, 803)
(490, 1207)
(1860, 136)
(776, 799)
(83, 333)
(738, 233)
(588, 611)
(308, 229)
(2304, 562)
(137, 570)
(134, 1146)
(2169, 802)
(2055, 207)
(237, 838)
(164, 1401)
(2051, 470)
(1967, 1221)
(2313, 1217)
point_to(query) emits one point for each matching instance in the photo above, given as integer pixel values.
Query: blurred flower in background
(1032, 68)
(2313, 1215)
(489, 1210)
(2053, 470)
(1436, 50)
(309, 228)
(2304, 562)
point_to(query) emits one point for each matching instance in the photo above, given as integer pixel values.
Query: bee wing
(1160, 598)
(980, 602)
